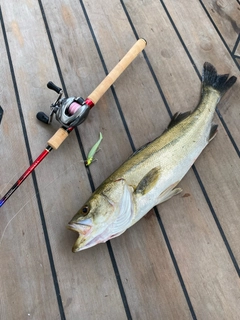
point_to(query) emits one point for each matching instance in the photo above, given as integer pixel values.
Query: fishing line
(12, 220)
(16, 174)
(33, 195)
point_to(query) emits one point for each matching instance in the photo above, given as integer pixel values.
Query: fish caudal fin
(210, 78)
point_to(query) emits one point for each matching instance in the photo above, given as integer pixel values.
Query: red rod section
(35, 164)
(28, 171)
(25, 175)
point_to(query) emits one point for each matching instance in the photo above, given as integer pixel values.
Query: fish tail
(210, 78)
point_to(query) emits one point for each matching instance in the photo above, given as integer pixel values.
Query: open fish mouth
(82, 229)
(78, 244)
(81, 242)
(84, 241)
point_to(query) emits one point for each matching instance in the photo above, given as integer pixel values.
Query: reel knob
(41, 116)
(53, 87)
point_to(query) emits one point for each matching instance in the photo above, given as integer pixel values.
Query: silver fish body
(151, 174)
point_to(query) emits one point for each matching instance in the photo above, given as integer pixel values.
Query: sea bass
(151, 174)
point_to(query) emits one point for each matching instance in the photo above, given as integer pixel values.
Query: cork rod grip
(57, 139)
(117, 70)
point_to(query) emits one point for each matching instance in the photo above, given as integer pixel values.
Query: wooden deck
(182, 260)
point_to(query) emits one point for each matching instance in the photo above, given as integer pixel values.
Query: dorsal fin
(139, 149)
(178, 117)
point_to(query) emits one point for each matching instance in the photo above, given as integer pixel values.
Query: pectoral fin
(148, 181)
(168, 193)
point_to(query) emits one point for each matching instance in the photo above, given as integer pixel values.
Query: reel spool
(69, 112)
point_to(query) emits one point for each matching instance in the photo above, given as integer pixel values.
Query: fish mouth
(83, 228)
(82, 243)
(78, 244)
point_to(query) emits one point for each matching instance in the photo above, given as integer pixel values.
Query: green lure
(94, 149)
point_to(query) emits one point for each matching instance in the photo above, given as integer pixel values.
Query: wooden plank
(238, 52)
(87, 281)
(223, 170)
(92, 271)
(105, 117)
(67, 183)
(25, 274)
(209, 274)
(176, 75)
(226, 177)
(226, 16)
(204, 44)
(100, 32)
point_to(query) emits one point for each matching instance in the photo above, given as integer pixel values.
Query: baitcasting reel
(69, 112)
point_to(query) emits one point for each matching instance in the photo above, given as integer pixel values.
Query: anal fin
(213, 132)
(168, 193)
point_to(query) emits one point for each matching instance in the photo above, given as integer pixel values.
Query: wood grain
(205, 45)
(180, 264)
(224, 202)
(226, 16)
(225, 205)
(117, 70)
(25, 274)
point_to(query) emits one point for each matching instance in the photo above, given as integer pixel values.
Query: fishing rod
(71, 112)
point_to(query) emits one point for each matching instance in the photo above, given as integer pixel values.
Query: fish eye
(85, 210)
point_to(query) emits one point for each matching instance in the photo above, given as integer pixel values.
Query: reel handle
(41, 116)
(53, 87)
(117, 70)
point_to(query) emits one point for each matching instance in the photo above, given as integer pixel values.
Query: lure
(92, 152)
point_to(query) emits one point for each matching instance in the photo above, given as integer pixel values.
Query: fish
(93, 150)
(151, 175)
